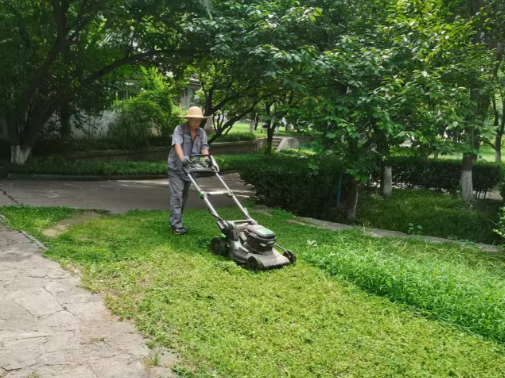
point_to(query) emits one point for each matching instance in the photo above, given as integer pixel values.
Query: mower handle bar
(205, 195)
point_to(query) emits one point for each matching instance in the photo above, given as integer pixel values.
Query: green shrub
(502, 190)
(148, 115)
(303, 186)
(239, 161)
(173, 121)
(60, 166)
(5, 149)
(236, 137)
(298, 151)
(442, 174)
(437, 214)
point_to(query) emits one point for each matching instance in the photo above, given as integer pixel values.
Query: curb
(28, 236)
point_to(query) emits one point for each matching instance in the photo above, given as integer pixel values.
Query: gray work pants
(179, 190)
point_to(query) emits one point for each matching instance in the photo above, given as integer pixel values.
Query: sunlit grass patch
(294, 322)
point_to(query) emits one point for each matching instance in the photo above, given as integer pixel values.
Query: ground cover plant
(56, 147)
(236, 137)
(299, 321)
(60, 166)
(437, 214)
(63, 166)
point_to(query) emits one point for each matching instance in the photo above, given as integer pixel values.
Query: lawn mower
(244, 241)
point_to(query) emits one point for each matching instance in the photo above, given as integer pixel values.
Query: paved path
(116, 196)
(50, 327)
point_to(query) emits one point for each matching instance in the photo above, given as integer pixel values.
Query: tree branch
(60, 8)
(52, 106)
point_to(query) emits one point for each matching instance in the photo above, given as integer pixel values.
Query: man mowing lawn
(188, 139)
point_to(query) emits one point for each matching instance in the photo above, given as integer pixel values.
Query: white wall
(91, 126)
(94, 126)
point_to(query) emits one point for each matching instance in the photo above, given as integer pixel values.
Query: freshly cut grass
(295, 322)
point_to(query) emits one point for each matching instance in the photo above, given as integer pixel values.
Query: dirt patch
(67, 224)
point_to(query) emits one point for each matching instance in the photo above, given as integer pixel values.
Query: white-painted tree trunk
(353, 199)
(19, 155)
(251, 127)
(466, 185)
(497, 155)
(387, 187)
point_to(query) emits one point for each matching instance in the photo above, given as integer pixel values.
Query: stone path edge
(124, 354)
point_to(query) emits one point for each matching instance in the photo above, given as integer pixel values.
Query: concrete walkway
(50, 327)
(116, 196)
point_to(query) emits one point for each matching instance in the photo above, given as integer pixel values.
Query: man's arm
(178, 150)
(177, 140)
(205, 145)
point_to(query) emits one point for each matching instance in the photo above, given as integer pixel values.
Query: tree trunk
(466, 182)
(270, 138)
(387, 187)
(65, 127)
(353, 199)
(435, 155)
(19, 155)
(497, 149)
(256, 121)
(214, 137)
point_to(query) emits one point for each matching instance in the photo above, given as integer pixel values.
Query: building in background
(187, 97)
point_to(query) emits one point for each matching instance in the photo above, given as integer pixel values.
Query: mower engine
(259, 240)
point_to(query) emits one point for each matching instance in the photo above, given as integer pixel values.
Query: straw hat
(195, 113)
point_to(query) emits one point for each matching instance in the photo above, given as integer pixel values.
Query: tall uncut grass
(455, 287)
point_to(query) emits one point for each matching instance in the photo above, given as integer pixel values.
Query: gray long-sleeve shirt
(182, 136)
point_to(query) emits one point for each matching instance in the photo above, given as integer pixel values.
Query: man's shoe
(179, 231)
(186, 228)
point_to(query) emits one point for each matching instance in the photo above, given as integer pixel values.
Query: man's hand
(186, 161)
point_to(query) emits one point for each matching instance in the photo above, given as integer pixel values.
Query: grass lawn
(485, 153)
(437, 214)
(244, 128)
(319, 318)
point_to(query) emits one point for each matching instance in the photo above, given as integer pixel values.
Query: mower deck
(244, 241)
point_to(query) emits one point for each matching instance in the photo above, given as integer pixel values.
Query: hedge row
(443, 174)
(289, 181)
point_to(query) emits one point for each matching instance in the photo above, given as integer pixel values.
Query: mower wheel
(252, 264)
(219, 246)
(290, 256)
